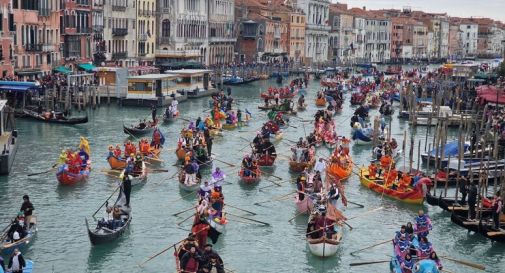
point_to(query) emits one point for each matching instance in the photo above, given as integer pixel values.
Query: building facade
(469, 32)
(75, 26)
(342, 36)
(119, 32)
(377, 38)
(146, 31)
(221, 38)
(296, 31)
(317, 30)
(7, 34)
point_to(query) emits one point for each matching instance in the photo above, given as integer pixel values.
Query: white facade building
(469, 37)
(377, 39)
(317, 30)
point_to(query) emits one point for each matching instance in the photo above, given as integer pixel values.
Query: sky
(494, 9)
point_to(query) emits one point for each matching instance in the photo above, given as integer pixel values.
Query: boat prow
(324, 247)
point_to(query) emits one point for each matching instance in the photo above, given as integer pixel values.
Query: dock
(8, 139)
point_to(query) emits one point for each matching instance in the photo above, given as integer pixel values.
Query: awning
(18, 88)
(29, 72)
(86, 67)
(62, 69)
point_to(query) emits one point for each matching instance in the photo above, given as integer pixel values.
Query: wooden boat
(304, 206)
(136, 131)
(172, 118)
(140, 177)
(227, 126)
(188, 188)
(341, 172)
(181, 153)
(301, 107)
(103, 233)
(266, 160)
(325, 247)
(412, 195)
(484, 227)
(266, 95)
(65, 177)
(27, 269)
(321, 102)
(57, 118)
(249, 179)
(116, 163)
(7, 246)
(298, 167)
(454, 207)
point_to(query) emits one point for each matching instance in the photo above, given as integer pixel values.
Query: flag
(162, 138)
(84, 145)
(247, 112)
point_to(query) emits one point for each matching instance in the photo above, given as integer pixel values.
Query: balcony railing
(119, 56)
(83, 2)
(44, 12)
(142, 37)
(98, 28)
(118, 8)
(83, 30)
(142, 54)
(119, 31)
(48, 48)
(100, 48)
(33, 47)
(165, 40)
(277, 34)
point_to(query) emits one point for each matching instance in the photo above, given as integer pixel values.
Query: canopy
(17, 87)
(86, 67)
(62, 69)
(490, 93)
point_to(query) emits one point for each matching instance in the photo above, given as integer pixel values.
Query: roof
(186, 72)
(152, 77)
(18, 86)
(62, 69)
(86, 67)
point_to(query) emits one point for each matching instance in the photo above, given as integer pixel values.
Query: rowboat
(411, 195)
(27, 269)
(298, 167)
(7, 246)
(361, 137)
(170, 118)
(321, 102)
(301, 107)
(484, 227)
(227, 126)
(181, 153)
(116, 163)
(249, 179)
(324, 246)
(188, 188)
(341, 172)
(266, 160)
(139, 177)
(58, 118)
(422, 266)
(304, 206)
(65, 177)
(266, 95)
(104, 232)
(140, 131)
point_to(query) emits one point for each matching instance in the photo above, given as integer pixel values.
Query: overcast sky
(494, 9)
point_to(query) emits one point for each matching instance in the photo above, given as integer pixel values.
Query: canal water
(62, 244)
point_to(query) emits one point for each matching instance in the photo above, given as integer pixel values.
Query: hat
(303, 178)
(208, 245)
(26, 196)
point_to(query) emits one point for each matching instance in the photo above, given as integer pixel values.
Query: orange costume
(386, 161)
(405, 182)
(144, 147)
(390, 178)
(117, 151)
(372, 171)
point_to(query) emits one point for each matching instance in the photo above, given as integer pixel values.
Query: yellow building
(146, 31)
(297, 37)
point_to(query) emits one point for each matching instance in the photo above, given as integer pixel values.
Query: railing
(82, 2)
(165, 40)
(83, 30)
(100, 48)
(44, 12)
(147, 13)
(181, 53)
(118, 8)
(98, 28)
(119, 31)
(119, 55)
(142, 37)
(48, 48)
(277, 34)
(142, 54)
(33, 47)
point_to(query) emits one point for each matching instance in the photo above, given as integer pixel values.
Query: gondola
(171, 118)
(65, 177)
(324, 246)
(7, 246)
(103, 232)
(57, 118)
(266, 160)
(139, 177)
(298, 167)
(304, 206)
(188, 188)
(116, 163)
(138, 130)
(249, 179)
(484, 227)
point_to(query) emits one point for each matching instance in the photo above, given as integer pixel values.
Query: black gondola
(140, 130)
(54, 117)
(484, 227)
(454, 207)
(103, 233)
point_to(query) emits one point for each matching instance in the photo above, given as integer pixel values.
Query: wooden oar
(365, 213)
(107, 199)
(370, 262)
(158, 170)
(52, 168)
(357, 204)
(470, 264)
(237, 208)
(168, 248)
(275, 199)
(186, 219)
(298, 214)
(184, 196)
(183, 211)
(271, 174)
(445, 270)
(249, 219)
(229, 164)
(368, 247)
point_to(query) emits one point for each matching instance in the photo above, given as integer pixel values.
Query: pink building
(7, 31)
(36, 37)
(76, 38)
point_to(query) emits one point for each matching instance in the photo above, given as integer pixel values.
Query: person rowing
(218, 177)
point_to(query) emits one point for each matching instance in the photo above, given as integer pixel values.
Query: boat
(54, 117)
(116, 163)
(454, 207)
(362, 136)
(451, 149)
(266, 160)
(249, 179)
(304, 206)
(7, 246)
(411, 196)
(323, 246)
(140, 177)
(140, 130)
(284, 95)
(301, 107)
(27, 269)
(65, 177)
(341, 172)
(103, 232)
(320, 102)
(232, 126)
(422, 266)
(188, 188)
(181, 153)
(484, 227)
(299, 167)
(170, 118)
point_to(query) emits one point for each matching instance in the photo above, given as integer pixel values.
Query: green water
(62, 244)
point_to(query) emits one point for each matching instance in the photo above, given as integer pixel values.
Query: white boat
(324, 247)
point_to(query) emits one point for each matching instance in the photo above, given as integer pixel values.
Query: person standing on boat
(153, 113)
(127, 188)
(16, 262)
(190, 261)
(218, 177)
(472, 200)
(320, 165)
(497, 207)
(27, 209)
(423, 224)
(463, 189)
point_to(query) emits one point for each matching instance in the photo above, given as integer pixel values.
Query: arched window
(260, 44)
(165, 28)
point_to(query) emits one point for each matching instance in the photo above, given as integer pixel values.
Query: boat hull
(266, 161)
(412, 196)
(298, 167)
(249, 179)
(304, 206)
(137, 132)
(116, 163)
(339, 171)
(67, 178)
(323, 247)
(7, 248)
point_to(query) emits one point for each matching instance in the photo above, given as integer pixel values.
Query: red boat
(357, 99)
(66, 177)
(266, 160)
(249, 179)
(284, 93)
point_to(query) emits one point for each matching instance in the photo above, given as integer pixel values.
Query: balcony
(48, 48)
(84, 30)
(142, 37)
(119, 32)
(165, 40)
(98, 28)
(277, 34)
(33, 47)
(178, 53)
(44, 12)
(118, 8)
(142, 54)
(119, 56)
(147, 13)
(82, 2)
